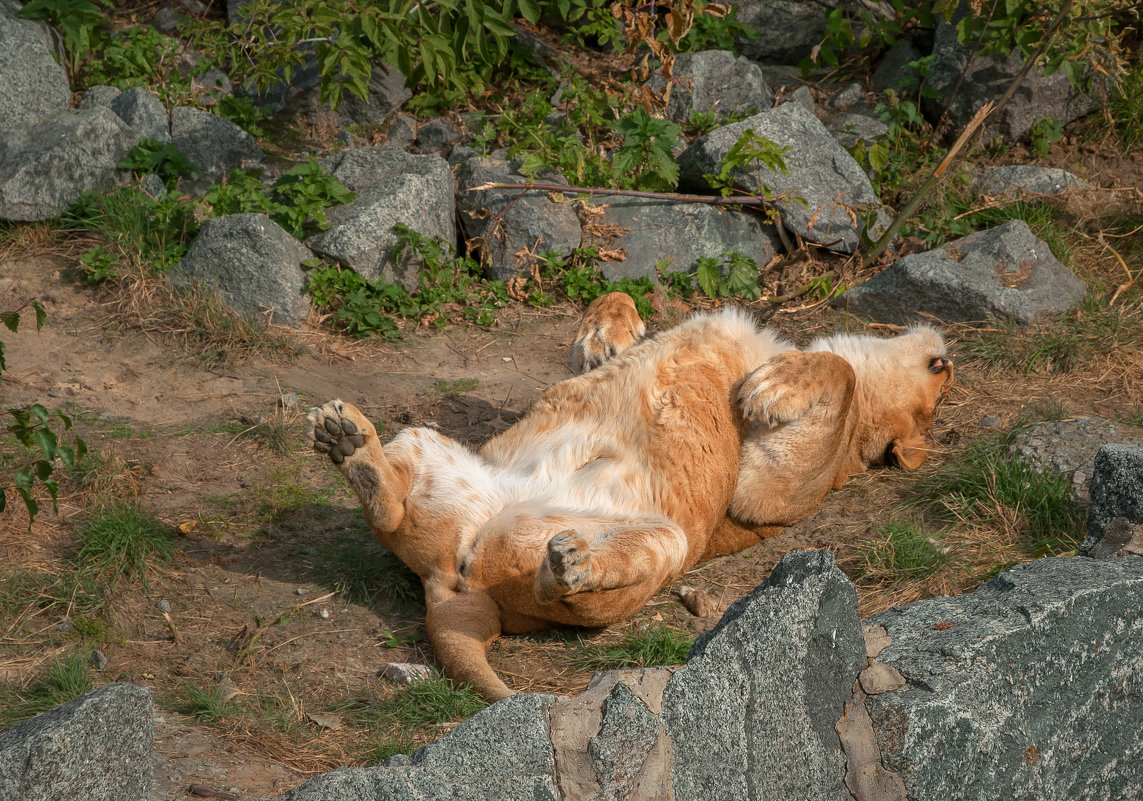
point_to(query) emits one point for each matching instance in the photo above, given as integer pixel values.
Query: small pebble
(65, 625)
(988, 421)
(98, 660)
(323, 614)
(301, 591)
(163, 605)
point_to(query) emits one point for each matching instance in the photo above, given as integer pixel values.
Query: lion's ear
(909, 452)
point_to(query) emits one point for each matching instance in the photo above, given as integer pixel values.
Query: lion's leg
(634, 555)
(610, 326)
(461, 627)
(793, 384)
(797, 448)
(342, 432)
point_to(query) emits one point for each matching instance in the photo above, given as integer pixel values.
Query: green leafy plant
(748, 153)
(645, 159)
(365, 307)
(81, 23)
(98, 265)
(732, 275)
(149, 234)
(582, 281)
(38, 445)
(1044, 134)
(158, 158)
(297, 199)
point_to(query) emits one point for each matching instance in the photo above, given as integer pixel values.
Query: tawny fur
(671, 450)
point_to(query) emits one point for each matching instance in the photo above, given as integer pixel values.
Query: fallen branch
(710, 200)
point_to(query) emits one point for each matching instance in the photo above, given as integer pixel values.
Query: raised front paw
(787, 387)
(337, 429)
(610, 326)
(566, 568)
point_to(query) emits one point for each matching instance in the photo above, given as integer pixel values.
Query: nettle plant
(30, 440)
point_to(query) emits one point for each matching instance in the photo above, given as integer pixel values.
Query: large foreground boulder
(823, 194)
(1005, 273)
(752, 714)
(47, 165)
(253, 262)
(96, 748)
(1030, 687)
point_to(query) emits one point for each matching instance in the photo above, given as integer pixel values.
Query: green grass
(62, 682)
(206, 704)
(904, 552)
(123, 540)
(419, 707)
(65, 592)
(1071, 341)
(987, 481)
(648, 647)
(1125, 106)
(388, 746)
(362, 572)
(448, 389)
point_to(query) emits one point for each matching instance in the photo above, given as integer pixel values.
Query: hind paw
(566, 568)
(610, 326)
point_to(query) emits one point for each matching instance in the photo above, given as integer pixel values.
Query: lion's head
(900, 382)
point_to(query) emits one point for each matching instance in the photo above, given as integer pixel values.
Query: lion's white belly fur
(590, 463)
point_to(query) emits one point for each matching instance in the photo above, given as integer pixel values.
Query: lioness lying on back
(669, 451)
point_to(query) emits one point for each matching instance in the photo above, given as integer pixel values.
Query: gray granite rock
(964, 86)
(436, 136)
(819, 172)
(787, 29)
(714, 81)
(32, 84)
(646, 232)
(500, 754)
(508, 226)
(1116, 490)
(402, 132)
(143, 111)
(213, 144)
(752, 714)
(1003, 273)
(98, 96)
(1070, 446)
(1029, 687)
(893, 71)
(392, 187)
(96, 748)
(1025, 179)
(387, 93)
(47, 165)
(854, 127)
(253, 263)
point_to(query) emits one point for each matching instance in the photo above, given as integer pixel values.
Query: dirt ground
(266, 593)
